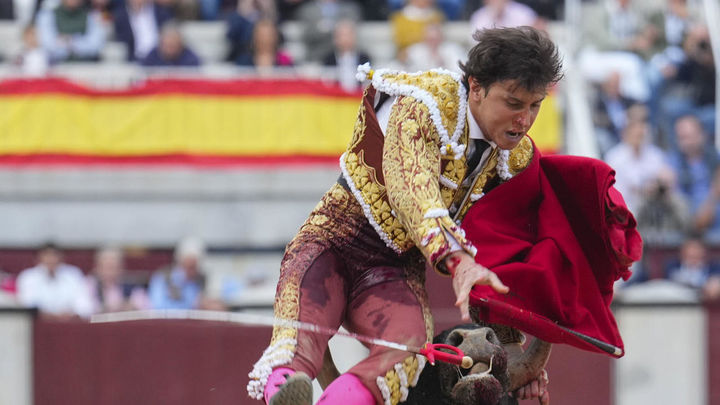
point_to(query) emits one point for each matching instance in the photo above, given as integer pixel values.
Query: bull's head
(497, 369)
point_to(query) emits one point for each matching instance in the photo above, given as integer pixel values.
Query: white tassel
(502, 165)
(363, 72)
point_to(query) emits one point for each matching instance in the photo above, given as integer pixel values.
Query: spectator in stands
(255, 10)
(265, 53)
(71, 32)
(618, 37)
(409, 24)
(137, 24)
(502, 13)
(545, 9)
(610, 112)
(620, 25)
(213, 9)
(637, 162)
(434, 52)
(690, 85)
(696, 164)
(376, 10)
(183, 285)
(694, 269)
(346, 57)
(105, 9)
(20, 11)
(171, 51)
(664, 215)
(57, 289)
(241, 24)
(108, 290)
(7, 10)
(452, 9)
(33, 59)
(673, 22)
(287, 9)
(318, 18)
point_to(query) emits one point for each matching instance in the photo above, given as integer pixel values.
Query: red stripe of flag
(250, 87)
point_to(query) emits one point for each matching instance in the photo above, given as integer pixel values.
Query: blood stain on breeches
(318, 281)
(381, 302)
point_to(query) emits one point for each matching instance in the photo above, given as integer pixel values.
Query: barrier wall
(16, 355)
(669, 361)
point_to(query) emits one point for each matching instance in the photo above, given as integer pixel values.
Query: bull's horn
(523, 367)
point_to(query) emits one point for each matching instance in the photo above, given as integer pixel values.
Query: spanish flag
(188, 121)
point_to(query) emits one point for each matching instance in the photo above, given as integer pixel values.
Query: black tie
(480, 146)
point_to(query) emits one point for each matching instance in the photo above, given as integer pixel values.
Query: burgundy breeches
(337, 271)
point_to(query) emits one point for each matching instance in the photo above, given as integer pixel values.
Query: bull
(498, 369)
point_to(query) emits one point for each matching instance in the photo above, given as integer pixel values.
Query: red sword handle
(432, 352)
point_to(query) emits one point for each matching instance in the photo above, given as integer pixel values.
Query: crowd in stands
(62, 291)
(653, 75)
(650, 66)
(66, 31)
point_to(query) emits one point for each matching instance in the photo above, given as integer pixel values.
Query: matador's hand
(466, 273)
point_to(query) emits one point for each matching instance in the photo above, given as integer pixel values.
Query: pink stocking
(275, 380)
(347, 390)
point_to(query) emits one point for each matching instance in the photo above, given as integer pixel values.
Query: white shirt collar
(474, 129)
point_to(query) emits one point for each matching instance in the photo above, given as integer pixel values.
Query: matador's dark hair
(523, 54)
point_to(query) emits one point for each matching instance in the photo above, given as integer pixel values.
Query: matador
(425, 147)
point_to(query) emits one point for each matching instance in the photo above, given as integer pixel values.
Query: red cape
(559, 235)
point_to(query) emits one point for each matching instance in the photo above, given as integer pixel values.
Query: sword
(430, 350)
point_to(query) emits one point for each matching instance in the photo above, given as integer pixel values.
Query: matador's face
(505, 111)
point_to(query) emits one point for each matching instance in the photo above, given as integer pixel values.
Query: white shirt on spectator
(64, 293)
(347, 69)
(514, 14)
(145, 31)
(633, 173)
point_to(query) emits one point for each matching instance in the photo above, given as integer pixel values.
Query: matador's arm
(411, 167)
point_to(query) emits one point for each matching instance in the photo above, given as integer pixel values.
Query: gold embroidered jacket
(407, 178)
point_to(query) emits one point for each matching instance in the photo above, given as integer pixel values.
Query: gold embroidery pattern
(395, 384)
(441, 87)
(521, 156)
(424, 192)
(447, 195)
(411, 160)
(454, 170)
(360, 125)
(374, 195)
